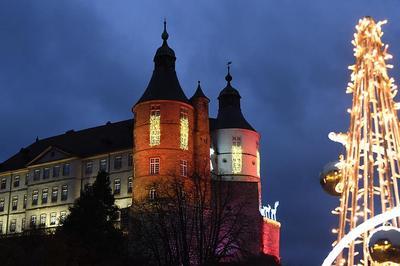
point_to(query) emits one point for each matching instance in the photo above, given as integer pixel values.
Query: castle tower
(163, 128)
(202, 133)
(236, 163)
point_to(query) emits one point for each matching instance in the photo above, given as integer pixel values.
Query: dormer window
(236, 155)
(184, 126)
(155, 127)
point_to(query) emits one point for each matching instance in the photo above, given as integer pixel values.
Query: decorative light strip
(236, 159)
(184, 133)
(155, 131)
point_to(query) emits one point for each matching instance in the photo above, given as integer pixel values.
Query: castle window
(53, 218)
(54, 194)
(130, 159)
(33, 221)
(13, 225)
(152, 194)
(56, 171)
(14, 205)
(46, 173)
(64, 192)
(118, 162)
(117, 186)
(26, 178)
(1, 205)
(130, 184)
(25, 201)
(154, 166)
(45, 195)
(36, 175)
(103, 165)
(42, 220)
(16, 181)
(66, 169)
(184, 127)
(236, 155)
(3, 183)
(35, 196)
(155, 127)
(89, 168)
(23, 224)
(184, 168)
(63, 215)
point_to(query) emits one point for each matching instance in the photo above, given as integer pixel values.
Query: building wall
(75, 180)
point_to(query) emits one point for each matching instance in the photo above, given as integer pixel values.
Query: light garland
(371, 167)
(236, 159)
(155, 130)
(184, 143)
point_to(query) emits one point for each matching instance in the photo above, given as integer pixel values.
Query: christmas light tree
(370, 169)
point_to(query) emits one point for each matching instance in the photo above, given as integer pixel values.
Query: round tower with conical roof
(163, 128)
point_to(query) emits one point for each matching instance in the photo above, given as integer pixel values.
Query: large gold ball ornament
(384, 245)
(331, 179)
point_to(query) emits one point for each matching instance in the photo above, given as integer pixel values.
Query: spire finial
(228, 77)
(165, 35)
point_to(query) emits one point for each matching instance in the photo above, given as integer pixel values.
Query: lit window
(23, 224)
(103, 165)
(66, 169)
(45, 195)
(3, 183)
(154, 166)
(184, 123)
(236, 155)
(54, 194)
(16, 181)
(118, 162)
(26, 178)
(130, 184)
(46, 173)
(36, 175)
(63, 215)
(35, 196)
(56, 171)
(14, 205)
(152, 194)
(13, 225)
(25, 201)
(184, 168)
(89, 168)
(53, 218)
(117, 186)
(1, 205)
(130, 159)
(33, 221)
(155, 128)
(42, 220)
(64, 192)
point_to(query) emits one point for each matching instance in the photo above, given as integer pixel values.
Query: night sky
(77, 64)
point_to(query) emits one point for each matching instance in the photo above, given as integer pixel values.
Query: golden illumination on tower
(236, 155)
(184, 124)
(155, 127)
(371, 167)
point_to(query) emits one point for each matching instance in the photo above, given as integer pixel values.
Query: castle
(170, 135)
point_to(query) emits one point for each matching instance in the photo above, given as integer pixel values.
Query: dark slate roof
(199, 93)
(83, 143)
(229, 112)
(97, 140)
(164, 83)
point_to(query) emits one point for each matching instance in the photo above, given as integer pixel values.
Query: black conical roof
(164, 83)
(198, 93)
(229, 112)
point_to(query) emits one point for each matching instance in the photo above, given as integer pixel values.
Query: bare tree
(191, 221)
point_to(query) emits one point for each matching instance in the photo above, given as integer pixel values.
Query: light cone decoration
(371, 166)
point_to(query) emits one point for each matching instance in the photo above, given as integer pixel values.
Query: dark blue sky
(77, 64)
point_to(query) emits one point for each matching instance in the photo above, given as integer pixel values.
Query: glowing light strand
(184, 143)
(155, 130)
(236, 159)
(371, 167)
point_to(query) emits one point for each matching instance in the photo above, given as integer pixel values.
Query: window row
(45, 195)
(155, 167)
(43, 220)
(103, 164)
(15, 183)
(117, 185)
(155, 127)
(56, 172)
